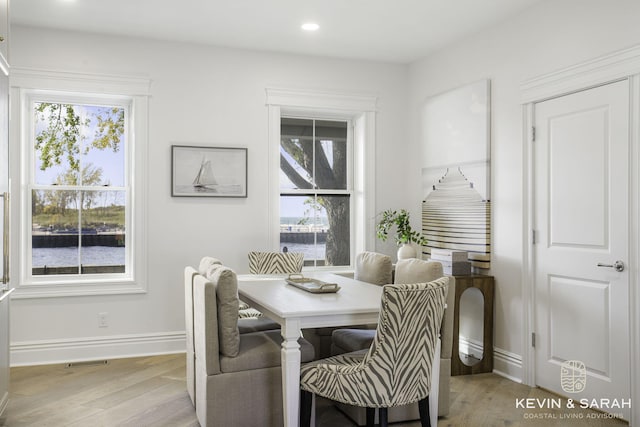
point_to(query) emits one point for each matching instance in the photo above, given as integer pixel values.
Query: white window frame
(30, 85)
(360, 112)
(317, 192)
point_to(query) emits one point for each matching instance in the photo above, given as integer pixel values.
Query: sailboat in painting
(209, 172)
(204, 180)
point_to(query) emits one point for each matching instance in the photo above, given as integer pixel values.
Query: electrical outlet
(102, 320)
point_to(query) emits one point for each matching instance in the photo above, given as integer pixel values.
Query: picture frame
(202, 171)
(456, 172)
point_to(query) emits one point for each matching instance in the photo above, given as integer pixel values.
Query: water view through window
(314, 190)
(79, 189)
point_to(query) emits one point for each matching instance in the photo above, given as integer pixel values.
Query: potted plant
(404, 234)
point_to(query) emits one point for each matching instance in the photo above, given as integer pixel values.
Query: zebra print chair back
(396, 369)
(275, 262)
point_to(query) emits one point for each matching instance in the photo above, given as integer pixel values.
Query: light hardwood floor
(150, 391)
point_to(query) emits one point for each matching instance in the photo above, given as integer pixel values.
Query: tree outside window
(79, 190)
(315, 193)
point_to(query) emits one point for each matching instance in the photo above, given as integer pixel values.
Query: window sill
(78, 288)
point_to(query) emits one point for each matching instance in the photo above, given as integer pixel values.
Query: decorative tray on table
(312, 285)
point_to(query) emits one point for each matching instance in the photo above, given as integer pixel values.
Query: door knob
(618, 265)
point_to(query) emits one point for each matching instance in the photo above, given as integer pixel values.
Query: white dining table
(356, 303)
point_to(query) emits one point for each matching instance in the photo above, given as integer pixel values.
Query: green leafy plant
(404, 232)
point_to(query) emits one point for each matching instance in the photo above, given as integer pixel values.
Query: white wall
(199, 95)
(549, 36)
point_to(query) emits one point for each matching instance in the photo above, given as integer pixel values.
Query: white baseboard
(505, 363)
(96, 348)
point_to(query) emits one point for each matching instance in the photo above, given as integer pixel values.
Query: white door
(581, 210)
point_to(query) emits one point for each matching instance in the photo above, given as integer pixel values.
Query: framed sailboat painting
(198, 171)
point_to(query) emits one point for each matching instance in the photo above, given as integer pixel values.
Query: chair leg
(371, 417)
(425, 417)
(306, 398)
(383, 417)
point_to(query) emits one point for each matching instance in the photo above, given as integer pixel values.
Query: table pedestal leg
(290, 360)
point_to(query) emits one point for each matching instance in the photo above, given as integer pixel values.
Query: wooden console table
(486, 286)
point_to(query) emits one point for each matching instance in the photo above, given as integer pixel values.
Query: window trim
(360, 110)
(25, 83)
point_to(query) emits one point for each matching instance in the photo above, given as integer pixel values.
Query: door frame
(624, 64)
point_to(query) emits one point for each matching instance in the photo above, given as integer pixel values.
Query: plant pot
(406, 251)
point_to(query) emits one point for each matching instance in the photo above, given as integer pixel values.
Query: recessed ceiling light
(310, 26)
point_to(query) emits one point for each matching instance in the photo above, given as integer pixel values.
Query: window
(79, 185)
(315, 190)
(321, 175)
(83, 151)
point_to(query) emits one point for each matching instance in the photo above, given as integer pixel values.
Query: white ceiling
(384, 30)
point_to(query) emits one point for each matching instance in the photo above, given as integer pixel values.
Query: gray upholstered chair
(396, 369)
(206, 268)
(238, 380)
(189, 273)
(370, 267)
(347, 340)
(246, 323)
(275, 262)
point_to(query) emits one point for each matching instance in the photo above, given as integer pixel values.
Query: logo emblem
(573, 376)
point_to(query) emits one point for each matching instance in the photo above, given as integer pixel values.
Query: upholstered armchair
(396, 368)
(347, 340)
(238, 380)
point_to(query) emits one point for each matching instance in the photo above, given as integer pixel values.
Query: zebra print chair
(396, 369)
(347, 340)
(270, 263)
(275, 262)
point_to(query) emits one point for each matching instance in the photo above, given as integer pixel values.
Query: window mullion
(313, 156)
(316, 225)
